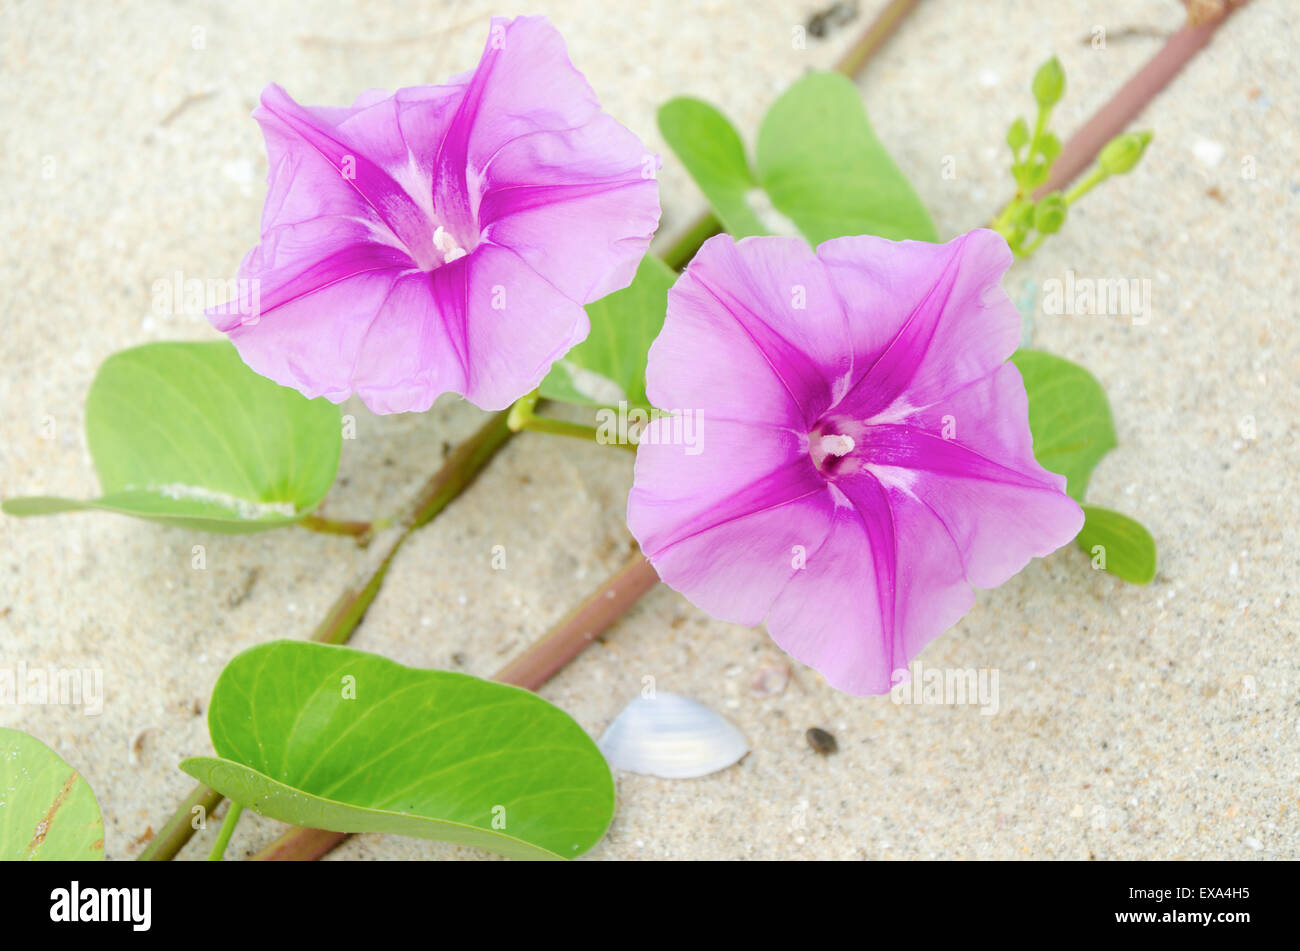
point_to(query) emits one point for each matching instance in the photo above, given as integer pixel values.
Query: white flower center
(445, 243)
(837, 445)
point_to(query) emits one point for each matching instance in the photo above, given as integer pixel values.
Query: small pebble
(770, 680)
(1209, 152)
(821, 741)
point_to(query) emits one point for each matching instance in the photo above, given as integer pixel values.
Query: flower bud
(1049, 213)
(1049, 147)
(1023, 217)
(1037, 171)
(1049, 83)
(1123, 152)
(1018, 135)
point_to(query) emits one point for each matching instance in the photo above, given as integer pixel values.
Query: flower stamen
(837, 445)
(444, 242)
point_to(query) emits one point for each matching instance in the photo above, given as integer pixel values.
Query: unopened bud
(1018, 135)
(1123, 152)
(1049, 147)
(1049, 213)
(1049, 83)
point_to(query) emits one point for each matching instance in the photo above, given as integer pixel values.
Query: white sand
(1133, 722)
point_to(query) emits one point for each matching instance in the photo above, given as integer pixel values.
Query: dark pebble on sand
(822, 741)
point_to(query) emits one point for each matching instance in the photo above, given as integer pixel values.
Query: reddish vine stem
(538, 664)
(567, 639)
(852, 60)
(1112, 118)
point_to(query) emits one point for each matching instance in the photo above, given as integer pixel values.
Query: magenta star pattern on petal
(866, 455)
(442, 238)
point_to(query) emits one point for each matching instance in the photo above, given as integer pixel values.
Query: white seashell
(673, 737)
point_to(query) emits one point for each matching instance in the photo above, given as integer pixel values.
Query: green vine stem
(361, 531)
(524, 415)
(530, 670)
(455, 475)
(180, 828)
(683, 249)
(1087, 184)
(227, 830)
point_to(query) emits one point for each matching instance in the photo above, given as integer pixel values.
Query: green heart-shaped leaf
(1119, 544)
(187, 434)
(825, 170)
(47, 811)
(609, 365)
(335, 738)
(712, 151)
(1069, 417)
(819, 167)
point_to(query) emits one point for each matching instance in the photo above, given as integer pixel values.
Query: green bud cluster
(1026, 221)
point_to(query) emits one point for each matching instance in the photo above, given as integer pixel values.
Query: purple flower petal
(769, 316)
(883, 585)
(865, 460)
(982, 482)
(442, 238)
(306, 332)
(927, 318)
(510, 323)
(377, 195)
(574, 205)
(726, 522)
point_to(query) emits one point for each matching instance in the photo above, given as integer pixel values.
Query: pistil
(836, 444)
(446, 244)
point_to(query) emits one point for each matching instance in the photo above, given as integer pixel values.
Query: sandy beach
(1131, 722)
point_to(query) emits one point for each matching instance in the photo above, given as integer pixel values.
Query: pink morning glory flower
(442, 238)
(862, 454)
